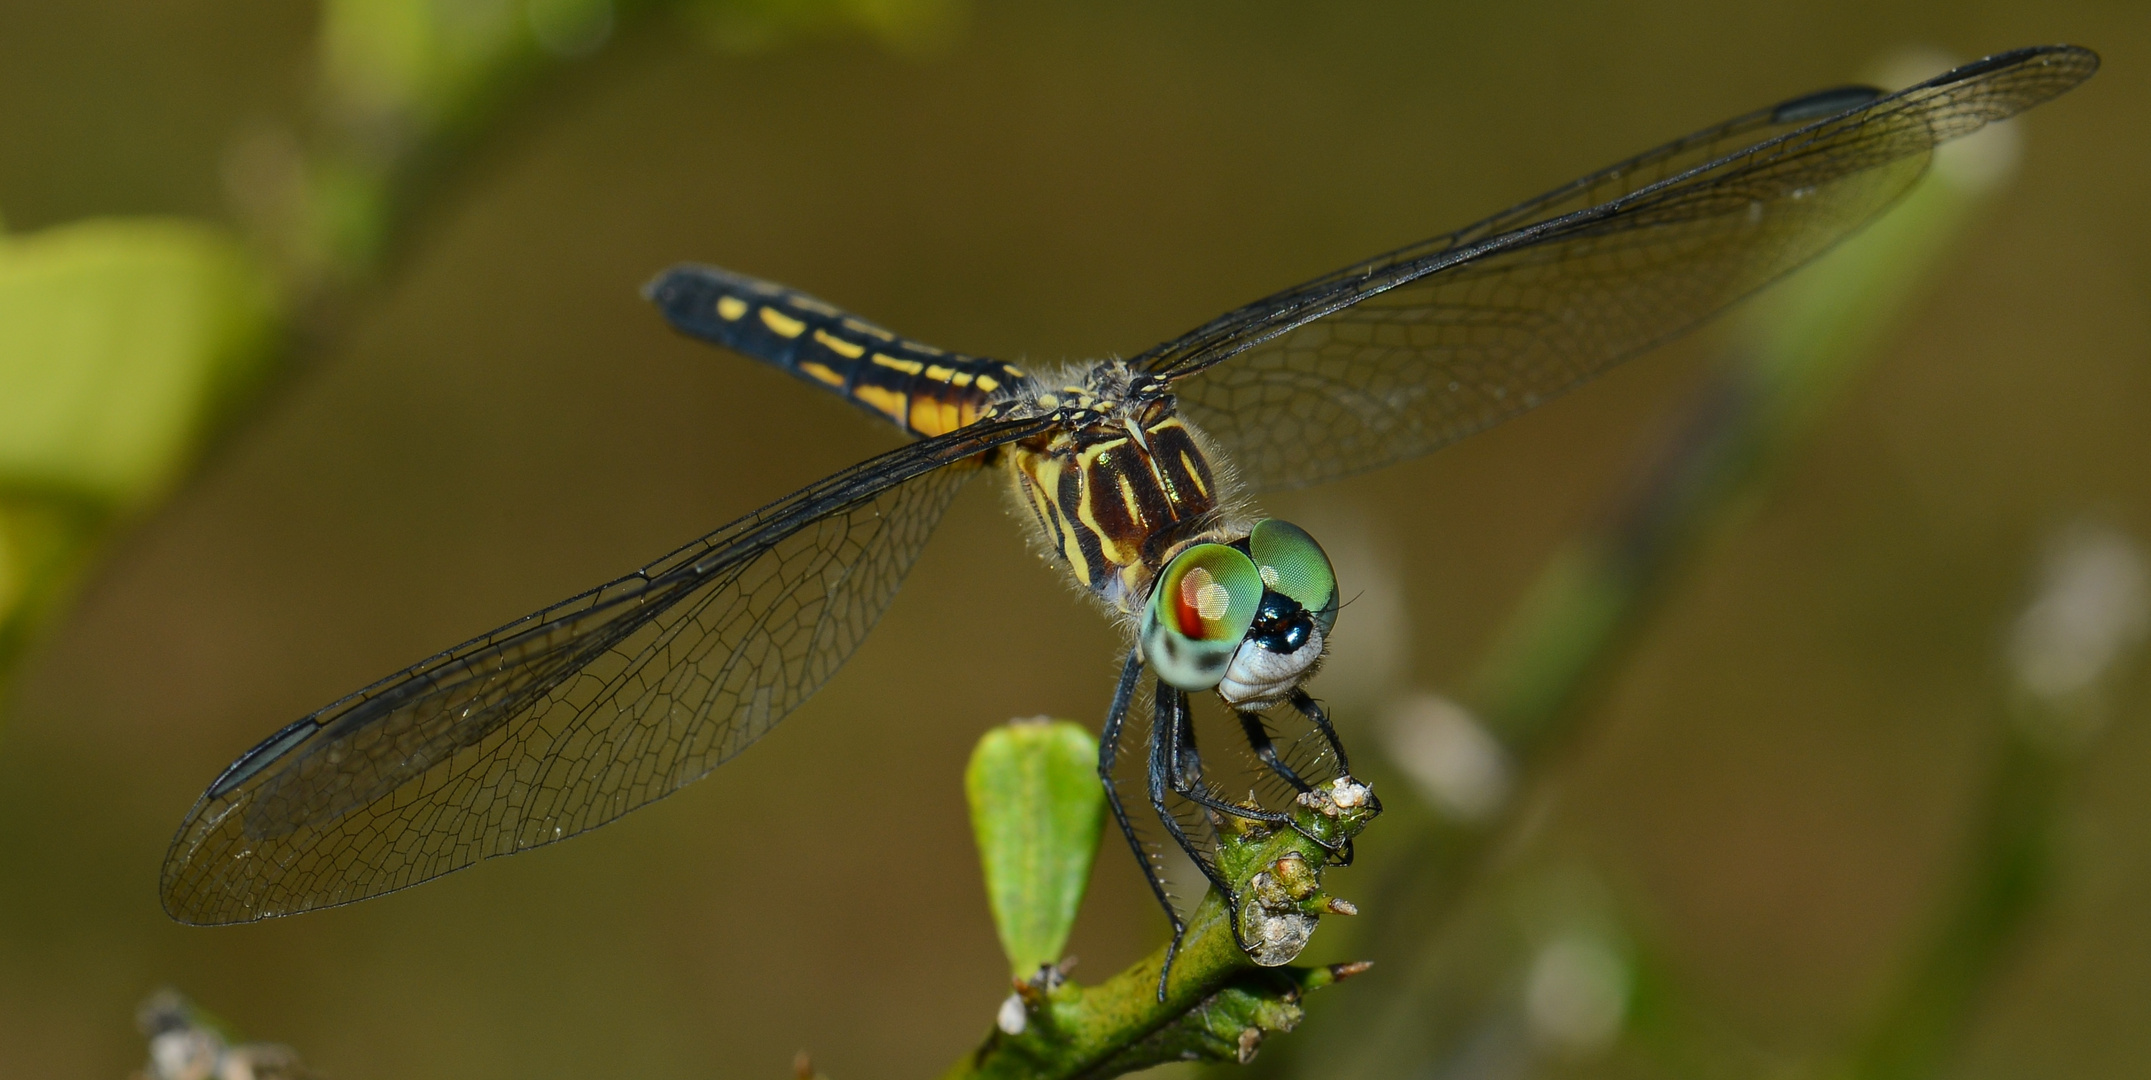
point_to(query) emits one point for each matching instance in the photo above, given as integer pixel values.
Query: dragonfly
(1134, 476)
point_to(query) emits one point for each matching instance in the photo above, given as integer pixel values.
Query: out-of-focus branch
(2080, 635)
(1797, 348)
(1035, 803)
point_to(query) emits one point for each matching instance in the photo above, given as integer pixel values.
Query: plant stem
(1217, 1004)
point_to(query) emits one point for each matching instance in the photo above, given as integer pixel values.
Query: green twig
(1219, 1002)
(2082, 632)
(2004, 881)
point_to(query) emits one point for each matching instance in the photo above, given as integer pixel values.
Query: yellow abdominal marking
(888, 401)
(730, 308)
(908, 367)
(933, 417)
(782, 323)
(986, 383)
(821, 373)
(839, 345)
(1049, 401)
(940, 374)
(963, 378)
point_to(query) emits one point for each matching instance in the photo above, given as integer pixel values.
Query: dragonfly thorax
(1119, 489)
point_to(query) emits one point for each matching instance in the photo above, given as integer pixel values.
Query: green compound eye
(1291, 563)
(1200, 610)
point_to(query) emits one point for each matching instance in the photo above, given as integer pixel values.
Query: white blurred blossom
(2092, 607)
(181, 1047)
(1455, 763)
(1576, 995)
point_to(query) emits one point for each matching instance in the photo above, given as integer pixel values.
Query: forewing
(566, 719)
(1411, 351)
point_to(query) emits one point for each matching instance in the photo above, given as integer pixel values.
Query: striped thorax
(1120, 487)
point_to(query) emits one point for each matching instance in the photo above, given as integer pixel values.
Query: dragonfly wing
(570, 717)
(1413, 350)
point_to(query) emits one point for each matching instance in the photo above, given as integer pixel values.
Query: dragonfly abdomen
(919, 388)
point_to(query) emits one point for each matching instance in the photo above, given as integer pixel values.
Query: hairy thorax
(1117, 492)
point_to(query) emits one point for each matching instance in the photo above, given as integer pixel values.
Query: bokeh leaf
(119, 340)
(1037, 810)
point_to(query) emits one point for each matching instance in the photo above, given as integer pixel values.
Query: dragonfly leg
(1190, 787)
(1258, 740)
(1108, 756)
(1175, 767)
(1182, 775)
(1316, 714)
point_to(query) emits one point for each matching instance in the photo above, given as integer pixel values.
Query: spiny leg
(1108, 755)
(1313, 711)
(1258, 740)
(1176, 768)
(1187, 782)
(1184, 778)
(1168, 732)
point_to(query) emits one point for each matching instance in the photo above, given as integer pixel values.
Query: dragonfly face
(569, 717)
(1249, 619)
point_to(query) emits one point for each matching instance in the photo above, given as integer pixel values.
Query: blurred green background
(462, 410)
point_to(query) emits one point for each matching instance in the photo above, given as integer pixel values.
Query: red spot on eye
(1187, 612)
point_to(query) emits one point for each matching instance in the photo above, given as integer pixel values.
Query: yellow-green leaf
(119, 339)
(1037, 810)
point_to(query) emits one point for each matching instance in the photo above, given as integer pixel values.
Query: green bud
(1037, 810)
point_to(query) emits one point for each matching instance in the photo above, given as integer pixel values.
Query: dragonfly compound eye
(1292, 564)
(1198, 614)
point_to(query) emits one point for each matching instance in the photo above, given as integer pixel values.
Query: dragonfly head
(1249, 619)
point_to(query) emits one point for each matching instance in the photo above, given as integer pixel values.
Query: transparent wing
(1415, 349)
(570, 717)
